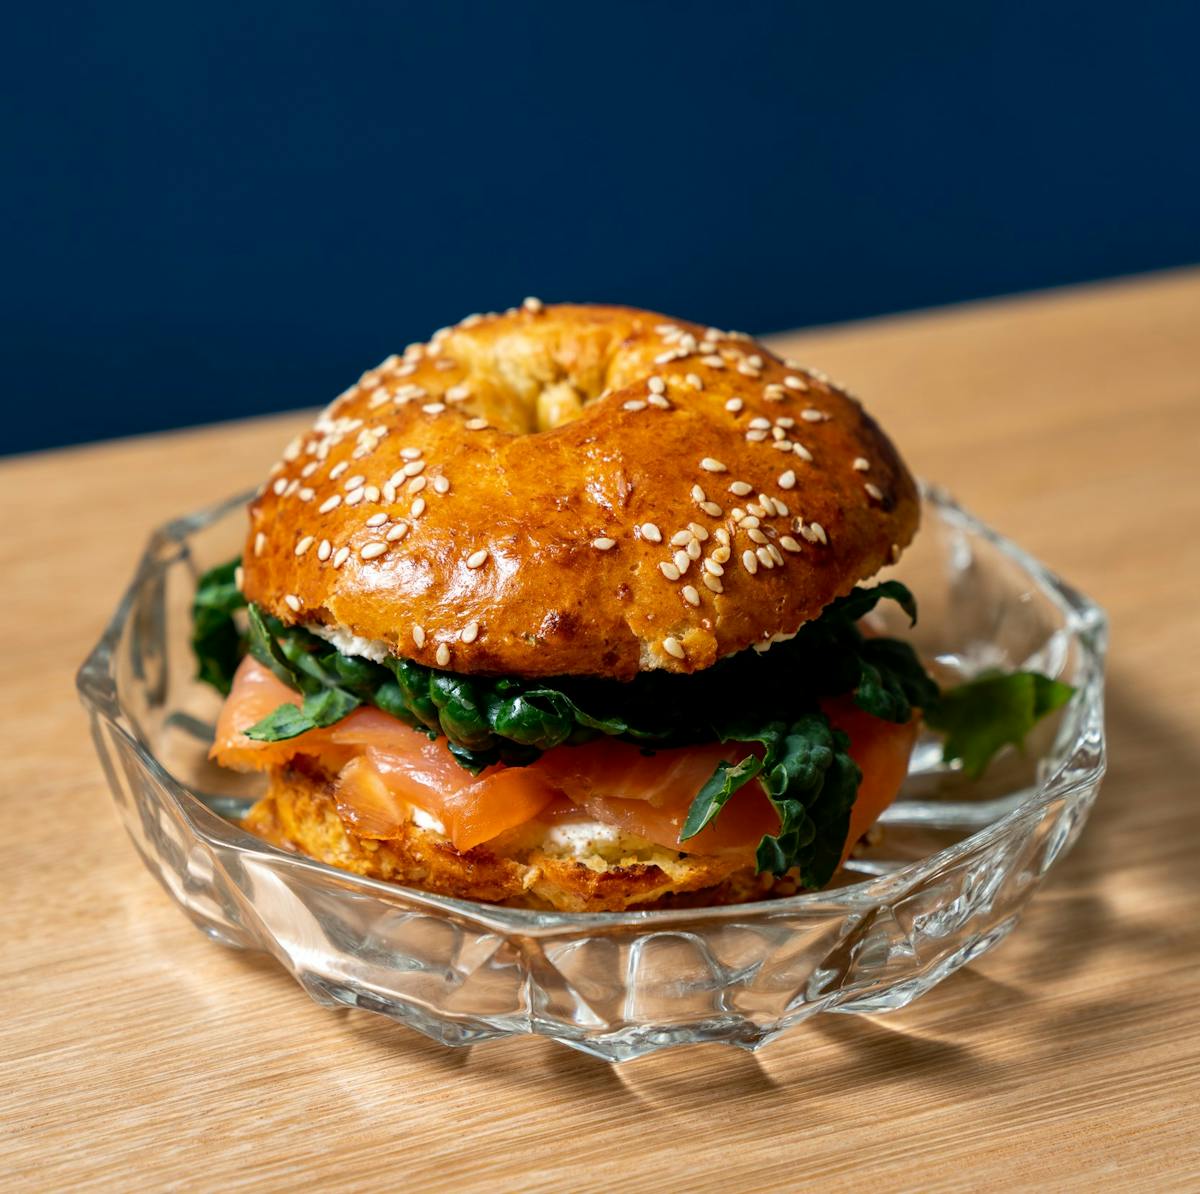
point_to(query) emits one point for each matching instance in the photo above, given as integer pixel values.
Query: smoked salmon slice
(386, 768)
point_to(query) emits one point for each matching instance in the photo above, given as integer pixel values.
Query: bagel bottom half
(299, 813)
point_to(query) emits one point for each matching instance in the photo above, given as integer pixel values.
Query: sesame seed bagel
(582, 490)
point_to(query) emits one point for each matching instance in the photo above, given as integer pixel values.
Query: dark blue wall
(218, 210)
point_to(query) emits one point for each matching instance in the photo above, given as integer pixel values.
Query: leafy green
(217, 643)
(318, 710)
(994, 710)
(715, 793)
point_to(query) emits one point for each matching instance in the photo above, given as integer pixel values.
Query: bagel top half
(581, 490)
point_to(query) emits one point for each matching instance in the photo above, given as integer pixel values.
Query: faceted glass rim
(96, 682)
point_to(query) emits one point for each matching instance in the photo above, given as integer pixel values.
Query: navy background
(217, 210)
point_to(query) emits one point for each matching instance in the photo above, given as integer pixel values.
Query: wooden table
(135, 1052)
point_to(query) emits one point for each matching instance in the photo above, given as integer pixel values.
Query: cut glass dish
(943, 878)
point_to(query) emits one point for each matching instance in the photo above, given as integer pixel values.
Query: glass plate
(944, 878)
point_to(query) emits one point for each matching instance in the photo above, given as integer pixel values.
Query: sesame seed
(695, 381)
(330, 503)
(305, 494)
(712, 583)
(740, 488)
(711, 508)
(698, 494)
(458, 393)
(441, 484)
(873, 491)
(279, 486)
(788, 543)
(750, 561)
(375, 548)
(413, 468)
(694, 549)
(764, 558)
(819, 531)
(800, 450)
(340, 556)
(774, 392)
(603, 543)
(434, 408)
(682, 560)
(712, 466)
(377, 520)
(756, 536)
(733, 405)
(681, 538)
(477, 559)
(649, 531)
(418, 635)
(470, 632)
(532, 305)
(713, 361)
(371, 493)
(690, 595)
(895, 552)
(338, 469)
(292, 602)
(260, 541)
(862, 464)
(668, 570)
(795, 383)
(304, 545)
(782, 445)
(656, 385)
(787, 480)
(776, 554)
(442, 655)
(397, 532)
(748, 370)
(659, 401)
(475, 424)
(239, 577)
(415, 486)
(355, 496)
(355, 482)
(780, 508)
(811, 415)
(634, 404)
(411, 453)
(418, 508)
(673, 646)
(759, 421)
(711, 566)
(756, 436)
(324, 549)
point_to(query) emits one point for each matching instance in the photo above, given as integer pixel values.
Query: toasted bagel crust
(300, 812)
(425, 509)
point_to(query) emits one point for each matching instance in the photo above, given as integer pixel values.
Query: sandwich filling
(782, 757)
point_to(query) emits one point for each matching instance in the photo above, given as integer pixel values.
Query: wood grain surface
(134, 1053)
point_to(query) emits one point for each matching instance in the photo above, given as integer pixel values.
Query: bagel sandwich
(563, 609)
